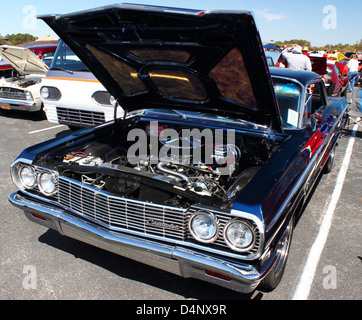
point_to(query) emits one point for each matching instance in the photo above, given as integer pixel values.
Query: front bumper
(241, 277)
(10, 104)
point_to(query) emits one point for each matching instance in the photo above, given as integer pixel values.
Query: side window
(307, 108)
(314, 100)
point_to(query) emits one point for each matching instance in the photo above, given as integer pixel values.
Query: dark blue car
(208, 170)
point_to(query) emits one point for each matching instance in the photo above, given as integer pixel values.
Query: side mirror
(318, 117)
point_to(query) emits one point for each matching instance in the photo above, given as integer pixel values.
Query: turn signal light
(217, 275)
(39, 216)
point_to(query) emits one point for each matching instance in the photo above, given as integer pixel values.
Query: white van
(72, 95)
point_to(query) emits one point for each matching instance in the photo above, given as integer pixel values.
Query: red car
(339, 82)
(336, 82)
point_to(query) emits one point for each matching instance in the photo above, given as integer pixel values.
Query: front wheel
(271, 281)
(329, 164)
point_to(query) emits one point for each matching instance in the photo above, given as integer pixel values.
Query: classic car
(5, 69)
(336, 83)
(207, 171)
(272, 58)
(72, 95)
(21, 91)
(44, 52)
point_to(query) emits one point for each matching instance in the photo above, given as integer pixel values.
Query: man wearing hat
(295, 58)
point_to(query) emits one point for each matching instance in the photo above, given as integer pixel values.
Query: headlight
(50, 93)
(239, 235)
(44, 92)
(47, 183)
(27, 177)
(28, 96)
(203, 227)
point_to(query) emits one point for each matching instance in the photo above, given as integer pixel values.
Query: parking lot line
(306, 280)
(46, 129)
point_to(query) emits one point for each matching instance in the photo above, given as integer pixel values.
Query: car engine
(180, 176)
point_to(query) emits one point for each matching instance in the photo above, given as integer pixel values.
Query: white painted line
(306, 280)
(46, 129)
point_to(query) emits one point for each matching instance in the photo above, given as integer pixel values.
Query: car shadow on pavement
(32, 116)
(135, 271)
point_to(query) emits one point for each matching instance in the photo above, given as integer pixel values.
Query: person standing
(353, 74)
(352, 71)
(295, 59)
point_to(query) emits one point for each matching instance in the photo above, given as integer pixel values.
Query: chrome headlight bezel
(28, 96)
(248, 227)
(53, 179)
(21, 179)
(212, 219)
(18, 167)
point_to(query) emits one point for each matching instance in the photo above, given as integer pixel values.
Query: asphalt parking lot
(325, 261)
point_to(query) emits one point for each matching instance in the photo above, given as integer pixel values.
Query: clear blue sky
(277, 20)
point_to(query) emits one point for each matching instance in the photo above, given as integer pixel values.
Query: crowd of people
(293, 58)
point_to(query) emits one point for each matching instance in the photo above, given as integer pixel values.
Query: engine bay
(177, 172)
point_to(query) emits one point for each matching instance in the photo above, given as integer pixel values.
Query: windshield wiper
(62, 69)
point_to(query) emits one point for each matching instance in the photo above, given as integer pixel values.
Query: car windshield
(288, 94)
(66, 59)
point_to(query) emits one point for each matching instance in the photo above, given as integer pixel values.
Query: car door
(318, 121)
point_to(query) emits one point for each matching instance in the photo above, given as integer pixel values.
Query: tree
(340, 47)
(289, 43)
(20, 38)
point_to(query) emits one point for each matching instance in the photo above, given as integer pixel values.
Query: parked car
(44, 52)
(5, 69)
(273, 58)
(72, 95)
(209, 178)
(336, 83)
(22, 90)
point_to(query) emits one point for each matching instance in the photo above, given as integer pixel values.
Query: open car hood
(169, 58)
(23, 60)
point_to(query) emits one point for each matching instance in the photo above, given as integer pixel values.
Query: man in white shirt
(295, 59)
(353, 73)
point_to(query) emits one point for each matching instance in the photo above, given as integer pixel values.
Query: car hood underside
(156, 57)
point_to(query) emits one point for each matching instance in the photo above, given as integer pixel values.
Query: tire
(281, 250)
(329, 164)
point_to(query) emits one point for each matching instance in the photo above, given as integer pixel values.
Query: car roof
(304, 77)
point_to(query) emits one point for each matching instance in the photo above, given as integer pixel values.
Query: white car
(22, 90)
(72, 95)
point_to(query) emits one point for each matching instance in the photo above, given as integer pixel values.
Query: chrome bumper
(172, 258)
(22, 105)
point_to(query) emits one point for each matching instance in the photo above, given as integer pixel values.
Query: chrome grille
(12, 93)
(120, 213)
(79, 117)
